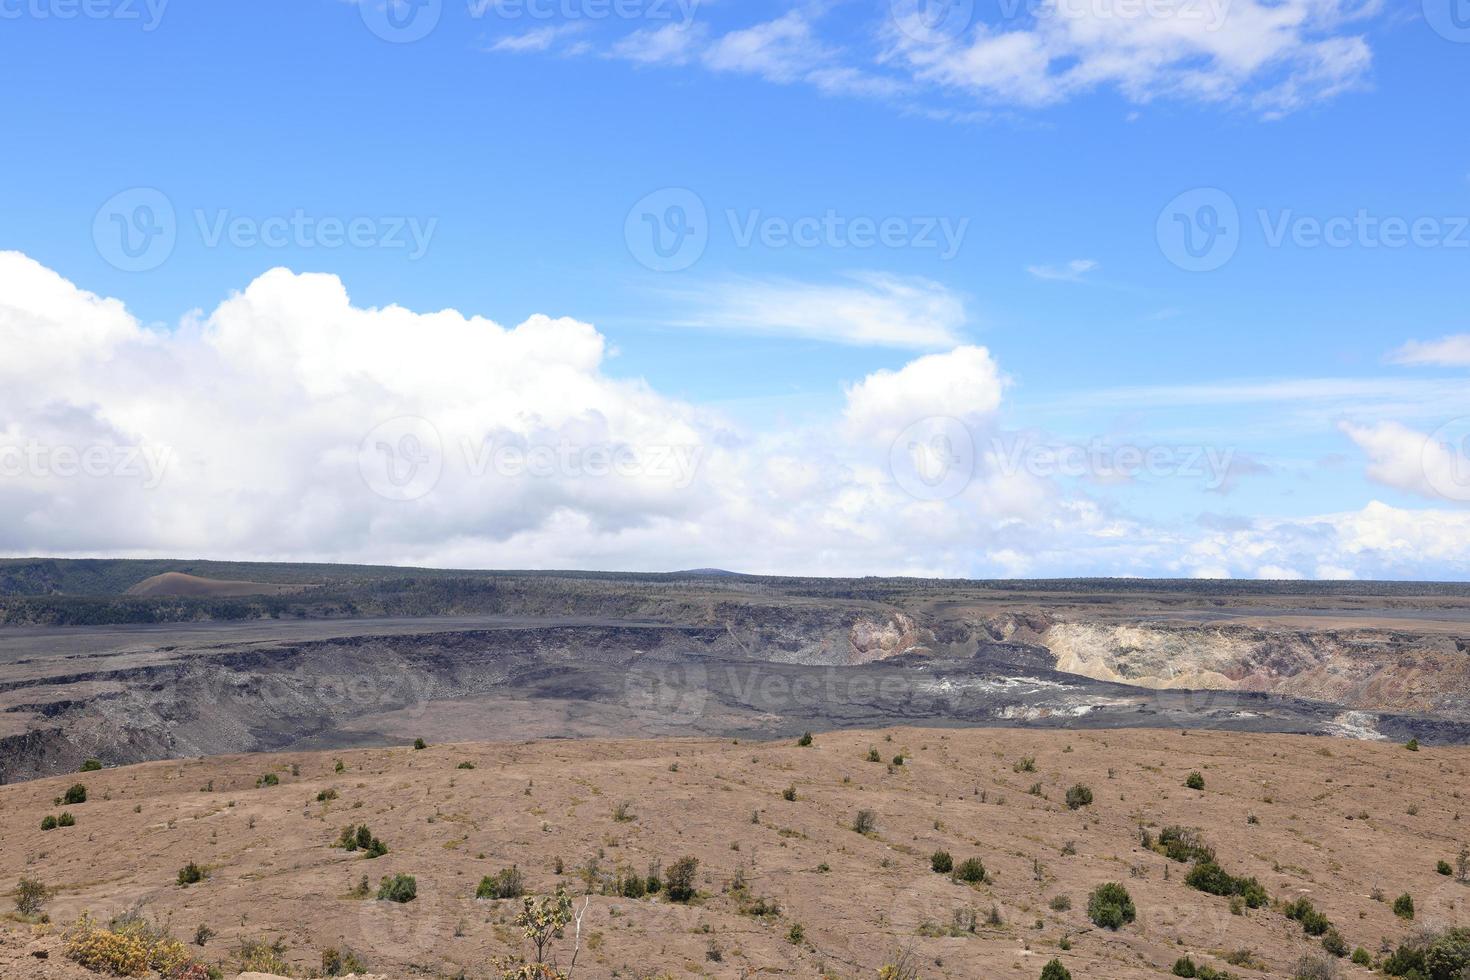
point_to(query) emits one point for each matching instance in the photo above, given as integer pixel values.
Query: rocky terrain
(219, 658)
(784, 885)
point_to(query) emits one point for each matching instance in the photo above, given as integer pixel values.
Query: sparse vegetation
(419, 745)
(399, 888)
(865, 822)
(970, 871)
(805, 741)
(941, 862)
(192, 874)
(357, 837)
(30, 897)
(505, 883)
(1110, 906)
(1054, 970)
(268, 779)
(679, 879)
(1078, 796)
(75, 795)
(1195, 780)
(91, 765)
(1403, 906)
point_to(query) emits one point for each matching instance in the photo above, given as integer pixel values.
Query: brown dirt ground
(1336, 820)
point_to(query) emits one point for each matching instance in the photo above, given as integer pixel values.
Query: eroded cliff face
(1367, 669)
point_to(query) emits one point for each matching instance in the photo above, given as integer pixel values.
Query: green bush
(399, 888)
(1443, 867)
(465, 765)
(506, 883)
(1361, 957)
(806, 740)
(865, 822)
(1314, 923)
(1334, 943)
(1078, 796)
(1184, 967)
(789, 794)
(191, 874)
(30, 896)
(91, 765)
(679, 879)
(419, 745)
(66, 819)
(341, 962)
(1207, 876)
(48, 822)
(75, 794)
(269, 779)
(873, 755)
(1195, 780)
(970, 870)
(1403, 906)
(941, 862)
(1412, 745)
(1431, 956)
(1110, 906)
(1183, 845)
(1055, 971)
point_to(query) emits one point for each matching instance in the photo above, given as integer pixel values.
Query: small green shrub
(505, 883)
(805, 741)
(1195, 780)
(75, 795)
(65, 819)
(1026, 763)
(326, 795)
(873, 755)
(1412, 745)
(48, 822)
(399, 888)
(865, 822)
(1181, 844)
(789, 794)
(1361, 957)
(91, 765)
(970, 870)
(419, 745)
(269, 779)
(1184, 967)
(679, 879)
(1055, 971)
(1403, 906)
(1334, 943)
(465, 765)
(30, 896)
(1078, 796)
(796, 934)
(1110, 906)
(1060, 903)
(191, 874)
(941, 862)
(341, 962)
(1443, 867)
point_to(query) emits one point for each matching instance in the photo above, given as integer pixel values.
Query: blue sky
(529, 145)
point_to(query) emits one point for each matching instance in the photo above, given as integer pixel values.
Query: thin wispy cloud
(1074, 271)
(864, 309)
(1269, 58)
(1451, 351)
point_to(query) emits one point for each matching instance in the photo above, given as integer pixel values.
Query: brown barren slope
(1336, 820)
(193, 586)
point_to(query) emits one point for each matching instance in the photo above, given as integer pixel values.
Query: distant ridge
(181, 584)
(709, 572)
